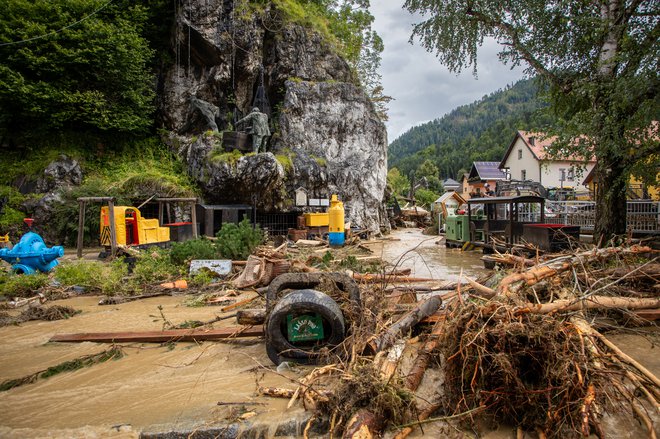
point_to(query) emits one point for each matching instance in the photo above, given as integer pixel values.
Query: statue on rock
(259, 129)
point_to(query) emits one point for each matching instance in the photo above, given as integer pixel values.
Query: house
(451, 185)
(527, 159)
(636, 189)
(483, 177)
(465, 186)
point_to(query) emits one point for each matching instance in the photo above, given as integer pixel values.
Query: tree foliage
(75, 65)
(599, 60)
(398, 183)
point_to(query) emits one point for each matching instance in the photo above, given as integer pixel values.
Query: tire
(279, 348)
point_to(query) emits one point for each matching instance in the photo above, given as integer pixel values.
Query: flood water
(178, 388)
(427, 256)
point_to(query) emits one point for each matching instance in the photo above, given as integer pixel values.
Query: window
(520, 154)
(571, 174)
(523, 174)
(562, 174)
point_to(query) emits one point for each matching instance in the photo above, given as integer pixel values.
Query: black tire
(297, 303)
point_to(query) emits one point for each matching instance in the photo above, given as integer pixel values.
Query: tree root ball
(528, 370)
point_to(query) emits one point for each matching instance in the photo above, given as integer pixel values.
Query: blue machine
(31, 254)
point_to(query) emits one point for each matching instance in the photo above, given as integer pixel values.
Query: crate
(317, 219)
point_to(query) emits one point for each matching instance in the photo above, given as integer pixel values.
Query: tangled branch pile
(525, 351)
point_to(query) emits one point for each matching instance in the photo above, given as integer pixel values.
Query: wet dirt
(154, 388)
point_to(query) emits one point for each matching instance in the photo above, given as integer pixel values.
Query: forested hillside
(478, 131)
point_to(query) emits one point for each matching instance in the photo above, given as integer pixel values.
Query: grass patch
(155, 266)
(109, 279)
(231, 158)
(21, 285)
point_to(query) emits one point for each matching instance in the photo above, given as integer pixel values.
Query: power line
(59, 30)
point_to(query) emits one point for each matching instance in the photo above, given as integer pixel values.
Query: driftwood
(251, 316)
(421, 362)
(514, 282)
(239, 304)
(405, 323)
(363, 425)
(377, 278)
(592, 302)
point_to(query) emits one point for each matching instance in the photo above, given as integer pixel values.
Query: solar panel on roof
(489, 170)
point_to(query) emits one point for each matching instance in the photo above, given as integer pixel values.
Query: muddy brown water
(158, 388)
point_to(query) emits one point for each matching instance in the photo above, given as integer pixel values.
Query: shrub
(182, 253)
(109, 279)
(21, 285)
(154, 266)
(238, 241)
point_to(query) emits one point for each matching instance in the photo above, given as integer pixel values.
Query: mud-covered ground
(179, 387)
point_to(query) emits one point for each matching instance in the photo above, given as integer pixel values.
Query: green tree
(599, 61)
(399, 183)
(74, 65)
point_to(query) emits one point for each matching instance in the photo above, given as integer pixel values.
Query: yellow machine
(131, 228)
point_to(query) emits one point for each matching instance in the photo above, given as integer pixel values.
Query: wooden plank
(97, 199)
(162, 336)
(177, 200)
(113, 228)
(81, 228)
(193, 219)
(648, 314)
(239, 304)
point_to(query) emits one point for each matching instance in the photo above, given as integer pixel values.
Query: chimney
(532, 140)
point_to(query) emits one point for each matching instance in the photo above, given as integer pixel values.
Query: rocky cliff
(326, 137)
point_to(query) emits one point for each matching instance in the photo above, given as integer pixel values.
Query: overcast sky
(422, 88)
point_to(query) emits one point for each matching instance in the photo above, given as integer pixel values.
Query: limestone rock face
(61, 173)
(336, 122)
(326, 138)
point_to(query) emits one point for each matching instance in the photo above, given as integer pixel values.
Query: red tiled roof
(539, 143)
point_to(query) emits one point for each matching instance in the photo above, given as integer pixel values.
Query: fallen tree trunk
(514, 282)
(593, 302)
(405, 323)
(421, 362)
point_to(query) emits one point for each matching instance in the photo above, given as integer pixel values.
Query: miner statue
(259, 130)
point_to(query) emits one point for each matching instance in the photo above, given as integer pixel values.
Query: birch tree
(599, 60)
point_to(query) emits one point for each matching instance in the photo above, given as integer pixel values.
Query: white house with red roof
(527, 158)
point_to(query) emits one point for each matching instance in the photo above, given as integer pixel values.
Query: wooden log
(512, 283)
(96, 199)
(276, 392)
(421, 362)
(239, 304)
(405, 323)
(251, 316)
(376, 278)
(161, 336)
(81, 229)
(649, 314)
(593, 302)
(363, 425)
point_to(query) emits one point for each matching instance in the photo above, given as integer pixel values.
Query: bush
(154, 266)
(238, 241)
(21, 285)
(95, 276)
(182, 253)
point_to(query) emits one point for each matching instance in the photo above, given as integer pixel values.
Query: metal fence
(642, 216)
